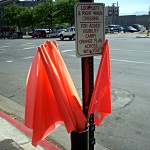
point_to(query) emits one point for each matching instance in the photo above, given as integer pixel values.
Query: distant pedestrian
(148, 32)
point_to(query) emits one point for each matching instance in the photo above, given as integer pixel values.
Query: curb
(44, 143)
(142, 36)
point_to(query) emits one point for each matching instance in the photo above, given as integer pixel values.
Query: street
(127, 128)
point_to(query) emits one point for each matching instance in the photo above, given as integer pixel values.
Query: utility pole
(113, 13)
(117, 13)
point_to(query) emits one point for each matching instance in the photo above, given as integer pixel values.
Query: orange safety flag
(51, 97)
(100, 104)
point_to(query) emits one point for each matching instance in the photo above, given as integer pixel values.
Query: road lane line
(29, 57)
(26, 44)
(9, 61)
(24, 58)
(121, 50)
(28, 47)
(4, 46)
(128, 61)
(69, 50)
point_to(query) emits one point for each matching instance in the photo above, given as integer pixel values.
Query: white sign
(90, 29)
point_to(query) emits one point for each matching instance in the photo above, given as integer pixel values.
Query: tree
(64, 11)
(16, 16)
(40, 13)
(47, 14)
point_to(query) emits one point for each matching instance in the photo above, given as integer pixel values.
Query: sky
(129, 7)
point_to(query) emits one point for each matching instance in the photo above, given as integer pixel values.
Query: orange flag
(100, 104)
(51, 97)
(68, 86)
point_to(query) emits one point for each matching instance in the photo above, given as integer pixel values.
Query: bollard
(80, 140)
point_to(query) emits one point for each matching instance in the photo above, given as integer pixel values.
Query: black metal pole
(87, 90)
(85, 140)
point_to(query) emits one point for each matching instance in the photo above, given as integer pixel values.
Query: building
(112, 17)
(133, 19)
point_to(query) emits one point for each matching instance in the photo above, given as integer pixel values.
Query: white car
(69, 33)
(59, 31)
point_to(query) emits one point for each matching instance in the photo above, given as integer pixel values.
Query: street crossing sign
(90, 29)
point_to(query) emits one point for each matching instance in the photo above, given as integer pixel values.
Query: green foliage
(17, 16)
(64, 11)
(61, 14)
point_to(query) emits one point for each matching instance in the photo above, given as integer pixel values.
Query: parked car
(59, 31)
(17, 35)
(107, 29)
(69, 33)
(130, 29)
(7, 35)
(30, 32)
(48, 32)
(139, 27)
(116, 28)
(39, 33)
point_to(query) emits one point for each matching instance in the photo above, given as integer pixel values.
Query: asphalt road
(128, 127)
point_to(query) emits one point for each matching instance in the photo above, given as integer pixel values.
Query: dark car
(116, 28)
(139, 27)
(107, 29)
(31, 32)
(7, 35)
(136, 26)
(17, 35)
(130, 29)
(39, 33)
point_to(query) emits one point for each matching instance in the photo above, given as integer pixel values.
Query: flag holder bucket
(80, 140)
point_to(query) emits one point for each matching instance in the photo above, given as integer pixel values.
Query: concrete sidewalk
(12, 129)
(15, 136)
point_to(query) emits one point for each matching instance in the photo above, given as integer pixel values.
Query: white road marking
(131, 61)
(69, 50)
(128, 61)
(4, 46)
(24, 58)
(9, 61)
(121, 50)
(73, 55)
(29, 57)
(28, 47)
(26, 44)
